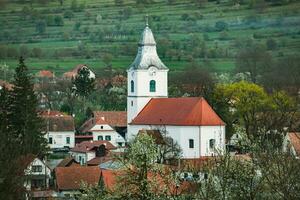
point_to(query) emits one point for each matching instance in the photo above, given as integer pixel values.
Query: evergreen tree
(26, 125)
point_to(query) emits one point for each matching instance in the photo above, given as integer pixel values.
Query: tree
(271, 44)
(58, 20)
(40, 26)
(139, 161)
(119, 2)
(26, 124)
(254, 60)
(83, 84)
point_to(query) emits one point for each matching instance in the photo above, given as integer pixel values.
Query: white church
(189, 120)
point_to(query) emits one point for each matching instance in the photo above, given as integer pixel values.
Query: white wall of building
(106, 130)
(201, 135)
(30, 173)
(141, 95)
(59, 139)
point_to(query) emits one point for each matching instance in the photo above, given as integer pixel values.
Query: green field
(105, 29)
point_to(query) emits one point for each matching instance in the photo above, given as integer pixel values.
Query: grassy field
(65, 46)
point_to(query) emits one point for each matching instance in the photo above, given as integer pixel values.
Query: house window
(36, 168)
(108, 137)
(152, 86)
(131, 86)
(100, 137)
(212, 143)
(101, 127)
(131, 103)
(50, 140)
(67, 140)
(79, 158)
(191, 143)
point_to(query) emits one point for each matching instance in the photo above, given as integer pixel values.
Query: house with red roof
(59, 128)
(190, 121)
(88, 150)
(291, 144)
(106, 125)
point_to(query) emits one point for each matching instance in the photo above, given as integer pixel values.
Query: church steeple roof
(147, 54)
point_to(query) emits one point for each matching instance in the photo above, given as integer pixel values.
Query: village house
(191, 122)
(59, 128)
(106, 125)
(291, 144)
(73, 73)
(45, 75)
(88, 150)
(69, 180)
(37, 173)
(6, 84)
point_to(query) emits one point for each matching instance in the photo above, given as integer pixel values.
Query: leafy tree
(58, 20)
(119, 2)
(271, 44)
(68, 14)
(221, 26)
(40, 26)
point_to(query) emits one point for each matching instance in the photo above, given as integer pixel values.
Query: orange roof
(186, 111)
(58, 121)
(70, 178)
(295, 141)
(45, 73)
(74, 72)
(87, 146)
(113, 118)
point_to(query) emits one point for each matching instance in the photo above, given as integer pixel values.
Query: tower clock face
(152, 71)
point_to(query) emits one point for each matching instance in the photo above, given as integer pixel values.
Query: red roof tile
(68, 162)
(113, 118)
(187, 111)
(295, 141)
(58, 121)
(45, 73)
(87, 146)
(70, 178)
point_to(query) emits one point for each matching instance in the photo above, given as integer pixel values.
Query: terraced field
(94, 29)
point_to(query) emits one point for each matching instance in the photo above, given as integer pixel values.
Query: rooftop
(186, 111)
(87, 146)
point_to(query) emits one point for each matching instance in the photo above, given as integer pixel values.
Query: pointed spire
(147, 55)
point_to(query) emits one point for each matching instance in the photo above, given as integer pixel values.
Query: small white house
(88, 150)
(60, 129)
(291, 143)
(106, 127)
(37, 173)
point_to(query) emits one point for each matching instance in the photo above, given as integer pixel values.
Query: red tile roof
(73, 72)
(98, 160)
(186, 111)
(68, 162)
(57, 121)
(45, 73)
(295, 141)
(71, 178)
(113, 118)
(87, 146)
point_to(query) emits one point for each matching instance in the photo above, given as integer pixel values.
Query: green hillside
(99, 32)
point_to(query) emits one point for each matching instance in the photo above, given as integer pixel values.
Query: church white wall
(182, 134)
(59, 139)
(141, 95)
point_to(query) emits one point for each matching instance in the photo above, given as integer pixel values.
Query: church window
(132, 86)
(212, 143)
(191, 143)
(152, 86)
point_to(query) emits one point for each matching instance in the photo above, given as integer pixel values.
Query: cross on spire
(147, 20)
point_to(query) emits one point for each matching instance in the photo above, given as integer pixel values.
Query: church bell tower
(147, 76)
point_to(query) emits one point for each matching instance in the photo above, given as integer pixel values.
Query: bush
(59, 21)
(221, 26)
(68, 14)
(271, 44)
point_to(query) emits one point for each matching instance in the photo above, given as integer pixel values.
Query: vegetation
(21, 132)
(209, 32)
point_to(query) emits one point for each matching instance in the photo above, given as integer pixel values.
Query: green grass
(171, 26)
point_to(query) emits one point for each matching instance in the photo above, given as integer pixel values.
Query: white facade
(61, 139)
(83, 157)
(37, 173)
(106, 132)
(140, 95)
(202, 136)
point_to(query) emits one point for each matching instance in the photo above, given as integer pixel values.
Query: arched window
(132, 86)
(212, 143)
(152, 86)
